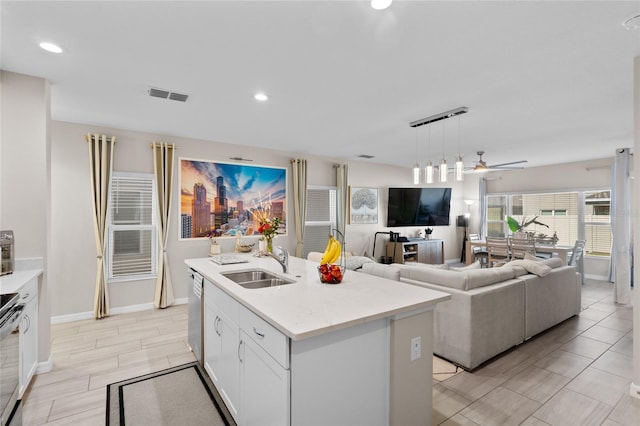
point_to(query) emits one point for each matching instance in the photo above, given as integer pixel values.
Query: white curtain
(342, 202)
(299, 172)
(101, 168)
(483, 207)
(163, 169)
(621, 224)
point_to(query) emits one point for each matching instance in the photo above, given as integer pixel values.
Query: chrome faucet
(283, 260)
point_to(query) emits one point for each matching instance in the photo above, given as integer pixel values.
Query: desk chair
(577, 258)
(479, 253)
(498, 249)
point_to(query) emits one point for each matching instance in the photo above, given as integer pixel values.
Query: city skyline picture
(221, 199)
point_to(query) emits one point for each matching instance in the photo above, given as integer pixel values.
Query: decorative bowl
(331, 273)
(245, 248)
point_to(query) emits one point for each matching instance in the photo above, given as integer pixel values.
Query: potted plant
(427, 233)
(519, 227)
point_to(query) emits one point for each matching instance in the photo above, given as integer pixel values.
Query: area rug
(182, 395)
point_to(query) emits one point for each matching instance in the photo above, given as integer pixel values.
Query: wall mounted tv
(418, 207)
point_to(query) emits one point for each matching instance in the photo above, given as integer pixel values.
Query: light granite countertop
(309, 308)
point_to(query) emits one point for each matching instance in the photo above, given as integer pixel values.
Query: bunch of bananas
(332, 252)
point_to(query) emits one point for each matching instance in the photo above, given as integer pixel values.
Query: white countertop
(309, 308)
(11, 283)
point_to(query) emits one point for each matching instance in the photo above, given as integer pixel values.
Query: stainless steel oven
(10, 317)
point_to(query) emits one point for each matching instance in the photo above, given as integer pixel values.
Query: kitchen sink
(256, 278)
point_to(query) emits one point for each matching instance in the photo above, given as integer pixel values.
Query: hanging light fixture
(428, 171)
(459, 163)
(443, 163)
(416, 166)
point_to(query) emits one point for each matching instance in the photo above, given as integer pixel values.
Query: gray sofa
(492, 309)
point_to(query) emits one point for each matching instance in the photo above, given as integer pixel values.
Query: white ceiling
(545, 81)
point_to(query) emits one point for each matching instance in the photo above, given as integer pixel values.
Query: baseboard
(45, 366)
(60, 319)
(596, 277)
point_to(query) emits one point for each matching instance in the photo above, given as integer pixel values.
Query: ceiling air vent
(366, 156)
(165, 94)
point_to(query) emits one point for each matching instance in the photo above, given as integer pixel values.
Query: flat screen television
(418, 207)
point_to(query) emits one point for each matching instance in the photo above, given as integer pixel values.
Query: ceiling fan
(482, 166)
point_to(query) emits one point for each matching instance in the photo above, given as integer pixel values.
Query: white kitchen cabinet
(264, 385)
(28, 333)
(222, 345)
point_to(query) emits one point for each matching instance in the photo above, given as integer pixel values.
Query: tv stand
(417, 250)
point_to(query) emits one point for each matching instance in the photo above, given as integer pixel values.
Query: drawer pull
(261, 335)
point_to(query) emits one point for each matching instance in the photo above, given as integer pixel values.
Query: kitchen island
(358, 352)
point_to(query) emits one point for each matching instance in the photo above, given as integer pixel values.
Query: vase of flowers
(269, 228)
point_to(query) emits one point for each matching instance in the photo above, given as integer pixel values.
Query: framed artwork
(222, 199)
(363, 205)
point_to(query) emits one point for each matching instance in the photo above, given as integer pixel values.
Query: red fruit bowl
(331, 274)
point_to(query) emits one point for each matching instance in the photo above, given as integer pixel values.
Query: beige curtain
(342, 195)
(163, 169)
(101, 167)
(299, 168)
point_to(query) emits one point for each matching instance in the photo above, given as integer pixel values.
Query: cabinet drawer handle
(261, 335)
(26, 296)
(240, 343)
(216, 325)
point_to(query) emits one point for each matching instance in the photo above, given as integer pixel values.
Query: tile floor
(577, 373)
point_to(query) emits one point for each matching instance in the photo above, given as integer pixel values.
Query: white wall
(24, 177)
(72, 271)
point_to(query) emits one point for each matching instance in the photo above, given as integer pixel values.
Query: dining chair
(519, 247)
(577, 256)
(479, 253)
(498, 249)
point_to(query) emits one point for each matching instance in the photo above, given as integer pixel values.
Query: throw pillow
(529, 256)
(538, 268)
(356, 262)
(385, 271)
(474, 265)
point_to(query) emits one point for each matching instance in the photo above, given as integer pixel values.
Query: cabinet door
(221, 350)
(265, 386)
(28, 343)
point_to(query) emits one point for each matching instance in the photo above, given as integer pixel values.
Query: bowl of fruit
(331, 273)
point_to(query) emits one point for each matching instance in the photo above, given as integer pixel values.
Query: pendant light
(459, 163)
(428, 171)
(416, 166)
(443, 163)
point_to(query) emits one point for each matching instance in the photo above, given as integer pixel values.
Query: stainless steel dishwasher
(195, 314)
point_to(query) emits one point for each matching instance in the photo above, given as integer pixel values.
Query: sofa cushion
(424, 265)
(435, 276)
(474, 265)
(356, 262)
(386, 271)
(553, 262)
(487, 276)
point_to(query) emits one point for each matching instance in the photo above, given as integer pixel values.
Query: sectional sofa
(492, 309)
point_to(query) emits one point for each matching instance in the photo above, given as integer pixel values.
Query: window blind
(131, 238)
(321, 218)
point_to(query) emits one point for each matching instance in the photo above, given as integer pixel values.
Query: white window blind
(131, 236)
(321, 218)
(559, 211)
(597, 221)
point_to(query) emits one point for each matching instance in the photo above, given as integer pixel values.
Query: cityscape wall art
(223, 199)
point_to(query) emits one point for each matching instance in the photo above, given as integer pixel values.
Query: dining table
(557, 250)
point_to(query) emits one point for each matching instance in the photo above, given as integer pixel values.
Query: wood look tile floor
(577, 373)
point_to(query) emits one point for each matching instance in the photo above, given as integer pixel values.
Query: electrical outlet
(416, 348)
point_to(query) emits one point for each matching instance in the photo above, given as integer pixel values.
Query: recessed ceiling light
(261, 97)
(50, 47)
(632, 23)
(380, 4)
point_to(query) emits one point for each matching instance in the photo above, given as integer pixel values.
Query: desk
(561, 251)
